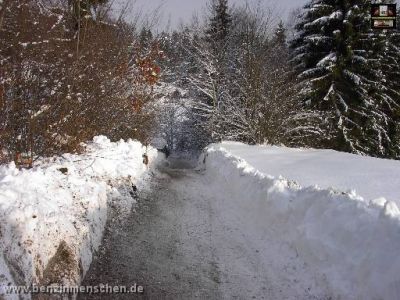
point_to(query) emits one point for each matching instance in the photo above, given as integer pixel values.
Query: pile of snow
(350, 244)
(52, 217)
(369, 177)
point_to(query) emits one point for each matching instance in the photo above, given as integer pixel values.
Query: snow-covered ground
(286, 235)
(350, 245)
(369, 177)
(52, 217)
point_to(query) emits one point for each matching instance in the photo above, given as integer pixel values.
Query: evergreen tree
(280, 34)
(391, 71)
(81, 9)
(336, 56)
(220, 21)
(145, 37)
(213, 61)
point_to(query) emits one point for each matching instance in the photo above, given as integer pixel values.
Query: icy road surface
(185, 241)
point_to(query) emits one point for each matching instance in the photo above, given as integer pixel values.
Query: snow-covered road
(186, 241)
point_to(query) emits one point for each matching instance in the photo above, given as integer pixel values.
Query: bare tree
(246, 92)
(53, 97)
(4, 5)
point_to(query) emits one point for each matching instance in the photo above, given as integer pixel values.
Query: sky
(178, 11)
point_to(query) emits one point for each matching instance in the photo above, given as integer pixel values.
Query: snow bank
(351, 245)
(369, 177)
(52, 217)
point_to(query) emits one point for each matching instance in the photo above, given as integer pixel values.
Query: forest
(74, 69)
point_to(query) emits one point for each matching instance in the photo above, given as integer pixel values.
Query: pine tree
(81, 9)
(391, 71)
(212, 59)
(280, 34)
(146, 37)
(336, 56)
(220, 21)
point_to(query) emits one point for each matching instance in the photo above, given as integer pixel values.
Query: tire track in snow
(184, 241)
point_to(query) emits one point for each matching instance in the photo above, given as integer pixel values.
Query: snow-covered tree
(390, 59)
(81, 9)
(280, 34)
(336, 56)
(220, 21)
(243, 91)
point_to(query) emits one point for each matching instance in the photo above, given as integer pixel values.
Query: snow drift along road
(51, 221)
(370, 177)
(351, 244)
